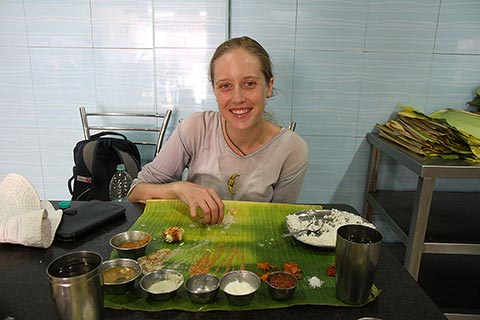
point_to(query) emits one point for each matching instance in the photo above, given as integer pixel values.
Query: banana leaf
(411, 112)
(395, 138)
(476, 151)
(399, 129)
(421, 134)
(249, 235)
(401, 134)
(463, 121)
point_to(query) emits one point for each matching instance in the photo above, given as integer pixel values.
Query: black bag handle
(107, 133)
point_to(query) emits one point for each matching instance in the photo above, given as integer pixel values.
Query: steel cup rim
(58, 280)
(155, 272)
(376, 235)
(190, 279)
(138, 270)
(118, 235)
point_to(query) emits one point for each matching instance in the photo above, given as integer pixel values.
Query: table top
(25, 292)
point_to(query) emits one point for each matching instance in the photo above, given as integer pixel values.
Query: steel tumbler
(77, 285)
(356, 257)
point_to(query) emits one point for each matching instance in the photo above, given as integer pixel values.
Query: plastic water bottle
(120, 184)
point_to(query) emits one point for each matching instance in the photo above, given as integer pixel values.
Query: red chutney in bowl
(281, 280)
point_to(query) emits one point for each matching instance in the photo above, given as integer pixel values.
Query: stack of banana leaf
(446, 133)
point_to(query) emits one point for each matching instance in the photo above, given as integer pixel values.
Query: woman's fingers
(205, 199)
(220, 207)
(212, 208)
(193, 211)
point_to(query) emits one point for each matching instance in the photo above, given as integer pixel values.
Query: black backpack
(96, 161)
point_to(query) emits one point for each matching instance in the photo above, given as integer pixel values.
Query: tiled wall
(341, 66)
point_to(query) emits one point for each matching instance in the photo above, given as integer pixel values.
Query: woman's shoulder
(200, 120)
(293, 140)
(199, 126)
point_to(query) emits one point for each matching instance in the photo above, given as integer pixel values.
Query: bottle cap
(64, 204)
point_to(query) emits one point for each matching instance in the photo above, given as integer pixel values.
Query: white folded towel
(24, 218)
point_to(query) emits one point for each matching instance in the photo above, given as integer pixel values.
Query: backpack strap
(88, 157)
(131, 163)
(107, 133)
(89, 153)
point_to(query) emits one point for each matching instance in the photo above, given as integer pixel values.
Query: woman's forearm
(146, 191)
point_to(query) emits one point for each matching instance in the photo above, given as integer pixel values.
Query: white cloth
(24, 218)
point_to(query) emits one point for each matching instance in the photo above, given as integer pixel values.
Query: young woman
(232, 154)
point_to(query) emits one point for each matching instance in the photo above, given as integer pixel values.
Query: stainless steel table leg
(372, 180)
(418, 225)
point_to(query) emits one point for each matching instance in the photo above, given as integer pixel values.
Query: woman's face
(240, 88)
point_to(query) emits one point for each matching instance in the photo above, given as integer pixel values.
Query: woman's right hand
(197, 196)
(194, 195)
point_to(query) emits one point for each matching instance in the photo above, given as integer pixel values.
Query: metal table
(413, 227)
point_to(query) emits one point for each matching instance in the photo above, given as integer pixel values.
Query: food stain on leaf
(223, 257)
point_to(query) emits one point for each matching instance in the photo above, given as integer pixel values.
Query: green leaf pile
(446, 133)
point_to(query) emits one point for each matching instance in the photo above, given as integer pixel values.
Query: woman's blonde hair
(250, 46)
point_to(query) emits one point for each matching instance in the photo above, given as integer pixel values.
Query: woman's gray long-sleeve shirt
(274, 173)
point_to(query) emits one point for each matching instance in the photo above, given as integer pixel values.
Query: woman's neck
(247, 141)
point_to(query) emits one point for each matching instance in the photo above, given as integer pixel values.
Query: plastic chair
(113, 121)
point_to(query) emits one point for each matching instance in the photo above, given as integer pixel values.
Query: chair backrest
(123, 122)
(292, 125)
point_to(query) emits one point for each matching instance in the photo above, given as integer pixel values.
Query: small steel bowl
(240, 286)
(281, 285)
(121, 285)
(161, 284)
(202, 288)
(131, 236)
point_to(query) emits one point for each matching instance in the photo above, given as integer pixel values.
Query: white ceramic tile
(280, 105)
(331, 25)
(124, 79)
(58, 23)
(326, 92)
(16, 91)
(21, 154)
(182, 78)
(401, 26)
(63, 81)
(12, 24)
(272, 24)
(459, 27)
(190, 24)
(326, 180)
(454, 80)
(359, 173)
(388, 80)
(122, 23)
(57, 159)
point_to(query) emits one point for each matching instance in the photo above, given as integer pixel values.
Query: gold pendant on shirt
(231, 182)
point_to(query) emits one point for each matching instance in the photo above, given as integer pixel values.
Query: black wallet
(79, 220)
